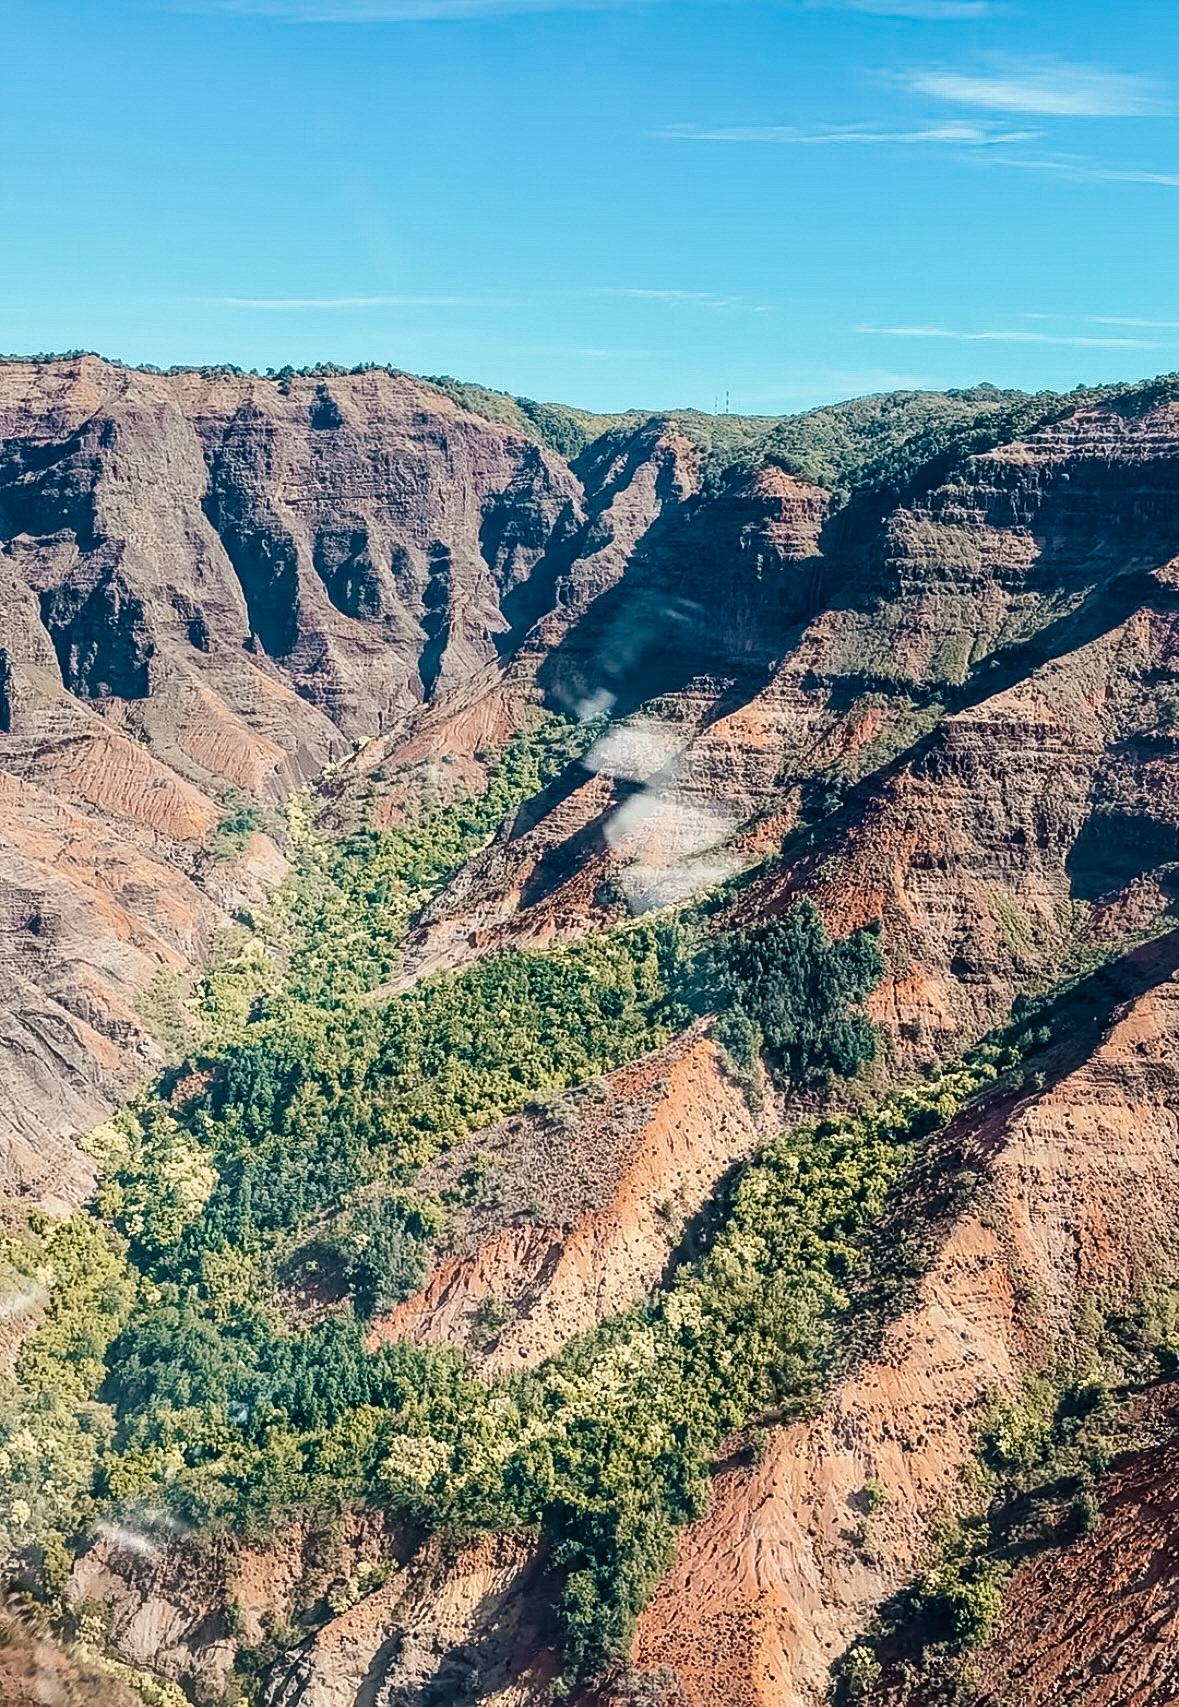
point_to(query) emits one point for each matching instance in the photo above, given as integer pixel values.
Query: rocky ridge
(211, 587)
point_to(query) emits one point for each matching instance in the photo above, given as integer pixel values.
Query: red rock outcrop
(88, 919)
(582, 1212)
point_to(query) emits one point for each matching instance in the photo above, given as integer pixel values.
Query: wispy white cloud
(311, 302)
(1009, 337)
(935, 11)
(702, 298)
(1122, 320)
(1079, 173)
(968, 135)
(376, 11)
(687, 299)
(124, 1539)
(1106, 320)
(1051, 87)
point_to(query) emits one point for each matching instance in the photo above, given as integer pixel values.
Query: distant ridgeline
(869, 444)
(875, 443)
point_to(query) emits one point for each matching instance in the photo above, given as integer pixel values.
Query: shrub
(232, 835)
(960, 1610)
(862, 1671)
(382, 1246)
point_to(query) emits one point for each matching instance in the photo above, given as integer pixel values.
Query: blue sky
(612, 204)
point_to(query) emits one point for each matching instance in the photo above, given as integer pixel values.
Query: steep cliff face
(463, 1626)
(1096, 1622)
(211, 585)
(770, 1590)
(374, 534)
(181, 1611)
(172, 538)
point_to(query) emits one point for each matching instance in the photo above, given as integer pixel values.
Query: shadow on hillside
(835, 805)
(1058, 1033)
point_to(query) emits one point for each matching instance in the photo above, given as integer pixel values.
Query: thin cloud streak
(934, 11)
(379, 11)
(1055, 89)
(1079, 174)
(702, 298)
(970, 135)
(1106, 320)
(1009, 337)
(687, 299)
(284, 303)
(1122, 320)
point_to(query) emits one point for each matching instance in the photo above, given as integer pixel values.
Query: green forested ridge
(556, 425)
(874, 441)
(875, 446)
(832, 445)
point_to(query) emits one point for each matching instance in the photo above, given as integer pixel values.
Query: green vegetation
(315, 1103)
(286, 1156)
(171, 1374)
(161, 1008)
(219, 1413)
(281, 1155)
(54, 1428)
(232, 835)
(380, 1247)
(555, 425)
(336, 927)
(877, 442)
(745, 1335)
(880, 442)
(787, 990)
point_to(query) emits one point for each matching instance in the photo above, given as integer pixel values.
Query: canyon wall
(950, 703)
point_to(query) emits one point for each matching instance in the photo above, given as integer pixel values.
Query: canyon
(913, 660)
